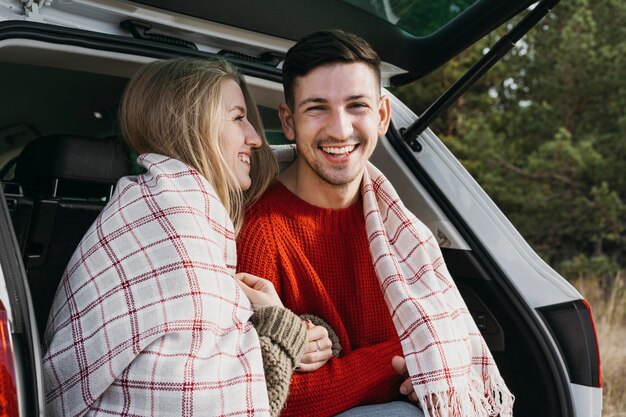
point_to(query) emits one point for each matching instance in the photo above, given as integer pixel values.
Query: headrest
(73, 158)
(284, 154)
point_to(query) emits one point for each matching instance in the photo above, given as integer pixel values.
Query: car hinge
(140, 30)
(32, 8)
(266, 58)
(501, 48)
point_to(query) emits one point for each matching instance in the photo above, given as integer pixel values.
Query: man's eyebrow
(310, 100)
(320, 100)
(359, 97)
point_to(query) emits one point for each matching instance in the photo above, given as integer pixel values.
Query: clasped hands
(262, 293)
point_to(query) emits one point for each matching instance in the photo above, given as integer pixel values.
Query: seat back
(66, 181)
(285, 154)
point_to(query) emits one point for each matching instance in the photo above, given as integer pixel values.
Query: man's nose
(339, 125)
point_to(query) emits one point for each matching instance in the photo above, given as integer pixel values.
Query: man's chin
(341, 180)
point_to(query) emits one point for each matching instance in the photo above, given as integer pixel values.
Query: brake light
(574, 330)
(595, 332)
(8, 393)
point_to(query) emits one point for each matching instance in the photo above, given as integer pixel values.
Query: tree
(544, 132)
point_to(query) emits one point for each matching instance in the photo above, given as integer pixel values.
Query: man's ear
(384, 113)
(286, 120)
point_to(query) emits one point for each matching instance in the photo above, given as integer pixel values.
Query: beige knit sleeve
(283, 338)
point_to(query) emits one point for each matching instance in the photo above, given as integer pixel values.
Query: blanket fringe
(497, 400)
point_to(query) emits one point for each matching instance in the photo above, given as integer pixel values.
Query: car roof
(418, 36)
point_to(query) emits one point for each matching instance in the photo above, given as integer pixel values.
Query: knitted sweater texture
(319, 262)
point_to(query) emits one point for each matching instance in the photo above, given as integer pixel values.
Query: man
(336, 113)
(308, 235)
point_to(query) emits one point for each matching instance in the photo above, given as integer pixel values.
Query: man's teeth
(339, 151)
(244, 158)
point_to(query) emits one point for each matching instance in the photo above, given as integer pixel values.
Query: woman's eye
(240, 118)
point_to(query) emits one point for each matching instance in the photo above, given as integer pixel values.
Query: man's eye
(358, 105)
(315, 108)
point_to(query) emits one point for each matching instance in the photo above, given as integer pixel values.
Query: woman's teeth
(244, 158)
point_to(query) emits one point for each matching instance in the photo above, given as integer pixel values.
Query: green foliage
(544, 132)
(595, 268)
(424, 17)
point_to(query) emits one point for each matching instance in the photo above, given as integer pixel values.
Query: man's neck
(316, 191)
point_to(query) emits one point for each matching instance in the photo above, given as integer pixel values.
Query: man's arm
(363, 376)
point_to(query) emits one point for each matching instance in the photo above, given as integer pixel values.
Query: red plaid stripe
(446, 355)
(148, 319)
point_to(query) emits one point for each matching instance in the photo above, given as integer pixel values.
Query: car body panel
(588, 400)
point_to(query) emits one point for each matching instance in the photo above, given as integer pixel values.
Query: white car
(65, 63)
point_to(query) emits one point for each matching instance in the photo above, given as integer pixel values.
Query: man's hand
(432, 403)
(406, 388)
(259, 291)
(318, 349)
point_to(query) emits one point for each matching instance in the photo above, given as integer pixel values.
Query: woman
(149, 318)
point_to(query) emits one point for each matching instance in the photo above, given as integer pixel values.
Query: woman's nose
(252, 137)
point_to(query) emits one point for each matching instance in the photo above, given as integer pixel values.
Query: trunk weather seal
(22, 310)
(120, 44)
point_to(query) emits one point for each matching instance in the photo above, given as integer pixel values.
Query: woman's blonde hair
(174, 108)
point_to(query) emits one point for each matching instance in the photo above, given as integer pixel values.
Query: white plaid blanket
(148, 319)
(447, 358)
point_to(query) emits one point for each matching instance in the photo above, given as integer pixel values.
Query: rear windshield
(417, 17)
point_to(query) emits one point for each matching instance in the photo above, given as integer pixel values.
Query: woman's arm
(288, 342)
(283, 339)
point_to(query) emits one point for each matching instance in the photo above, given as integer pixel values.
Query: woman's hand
(259, 291)
(318, 349)
(262, 293)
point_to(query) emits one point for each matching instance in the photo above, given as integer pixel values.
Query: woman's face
(238, 136)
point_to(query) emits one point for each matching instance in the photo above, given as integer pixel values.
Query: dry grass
(609, 310)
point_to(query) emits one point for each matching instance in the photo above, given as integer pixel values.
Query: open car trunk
(68, 82)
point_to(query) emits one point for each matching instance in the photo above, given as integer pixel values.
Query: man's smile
(339, 150)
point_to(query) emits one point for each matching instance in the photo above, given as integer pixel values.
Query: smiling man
(307, 233)
(336, 116)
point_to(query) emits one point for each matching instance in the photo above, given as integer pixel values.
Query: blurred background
(544, 133)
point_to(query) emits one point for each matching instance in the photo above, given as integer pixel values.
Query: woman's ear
(286, 120)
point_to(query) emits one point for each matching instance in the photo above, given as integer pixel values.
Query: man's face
(337, 118)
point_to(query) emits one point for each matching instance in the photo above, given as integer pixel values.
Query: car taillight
(573, 327)
(593, 325)
(8, 393)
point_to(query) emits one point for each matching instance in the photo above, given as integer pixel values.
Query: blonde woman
(149, 318)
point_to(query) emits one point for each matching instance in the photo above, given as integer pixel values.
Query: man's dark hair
(323, 48)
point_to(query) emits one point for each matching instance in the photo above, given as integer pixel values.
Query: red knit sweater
(319, 262)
